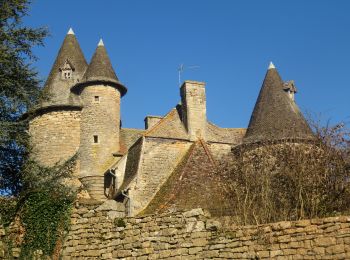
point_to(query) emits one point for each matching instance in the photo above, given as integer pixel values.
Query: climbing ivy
(43, 208)
(45, 217)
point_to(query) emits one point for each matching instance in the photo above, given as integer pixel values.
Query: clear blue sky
(231, 41)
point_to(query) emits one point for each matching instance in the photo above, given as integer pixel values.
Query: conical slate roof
(58, 88)
(275, 115)
(100, 69)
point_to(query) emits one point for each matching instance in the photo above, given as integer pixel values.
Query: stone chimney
(150, 121)
(194, 111)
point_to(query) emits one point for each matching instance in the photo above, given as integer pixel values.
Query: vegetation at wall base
(45, 217)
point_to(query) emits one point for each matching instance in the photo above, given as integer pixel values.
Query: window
(95, 139)
(97, 99)
(67, 70)
(67, 75)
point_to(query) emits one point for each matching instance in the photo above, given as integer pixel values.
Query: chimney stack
(194, 111)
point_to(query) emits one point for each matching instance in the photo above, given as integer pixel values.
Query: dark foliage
(19, 89)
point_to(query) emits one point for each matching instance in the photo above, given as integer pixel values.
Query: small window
(67, 70)
(95, 139)
(97, 99)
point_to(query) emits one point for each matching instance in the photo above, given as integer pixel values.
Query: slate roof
(275, 115)
(100, 70)
(58, 89)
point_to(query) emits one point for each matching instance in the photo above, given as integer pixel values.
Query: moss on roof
(194, 183)
(100, 70)
(57, 90)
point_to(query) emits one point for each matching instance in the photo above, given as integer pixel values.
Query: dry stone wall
(102, 232)
(194, 235)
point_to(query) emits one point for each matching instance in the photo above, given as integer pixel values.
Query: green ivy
(45, 217)
(119, 222)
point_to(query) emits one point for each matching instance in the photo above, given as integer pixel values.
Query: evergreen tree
(19, 89)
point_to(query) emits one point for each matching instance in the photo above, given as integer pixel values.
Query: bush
(289, 180)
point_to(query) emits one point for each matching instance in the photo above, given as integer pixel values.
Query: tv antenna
(181, 69)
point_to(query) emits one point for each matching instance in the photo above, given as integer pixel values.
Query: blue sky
(232, 42)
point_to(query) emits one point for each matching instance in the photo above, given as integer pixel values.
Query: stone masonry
(56, 136)
(101, 232)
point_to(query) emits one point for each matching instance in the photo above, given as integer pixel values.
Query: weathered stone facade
(55, 136)
(101, 232)
(129, 165)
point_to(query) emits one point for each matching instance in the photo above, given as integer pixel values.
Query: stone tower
(100, 91)
(55, 123)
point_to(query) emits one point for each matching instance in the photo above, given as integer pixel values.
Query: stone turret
(55, 123)
(100, 91)
(276, 116)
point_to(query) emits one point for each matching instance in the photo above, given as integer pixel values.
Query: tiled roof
(275, 115)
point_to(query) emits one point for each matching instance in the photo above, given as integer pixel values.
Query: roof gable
(170, 126)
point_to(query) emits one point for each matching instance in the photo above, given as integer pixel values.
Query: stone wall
(55, 136)
(100, 118)
(101, 232)
(159, 158)
(194, 235)
(100, 130)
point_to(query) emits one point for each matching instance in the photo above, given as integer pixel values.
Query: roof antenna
(182, 68)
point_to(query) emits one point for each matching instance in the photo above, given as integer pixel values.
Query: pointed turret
(275, 115)
(100, 69)
(68, 69)
(101, 92)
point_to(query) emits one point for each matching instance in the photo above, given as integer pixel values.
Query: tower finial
(70, 31)
(100, 43)
(271, 66)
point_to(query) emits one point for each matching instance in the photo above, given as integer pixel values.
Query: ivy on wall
(45, 217)
(43, 209)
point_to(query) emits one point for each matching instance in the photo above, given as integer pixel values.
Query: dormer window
(290, 88)
(67, 70)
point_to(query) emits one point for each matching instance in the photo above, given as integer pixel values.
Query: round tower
(100, 91)
(54, 125)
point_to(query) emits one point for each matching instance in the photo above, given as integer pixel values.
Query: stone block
(335, 249)
(275, 253)
(325, 241)
(193, 213)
